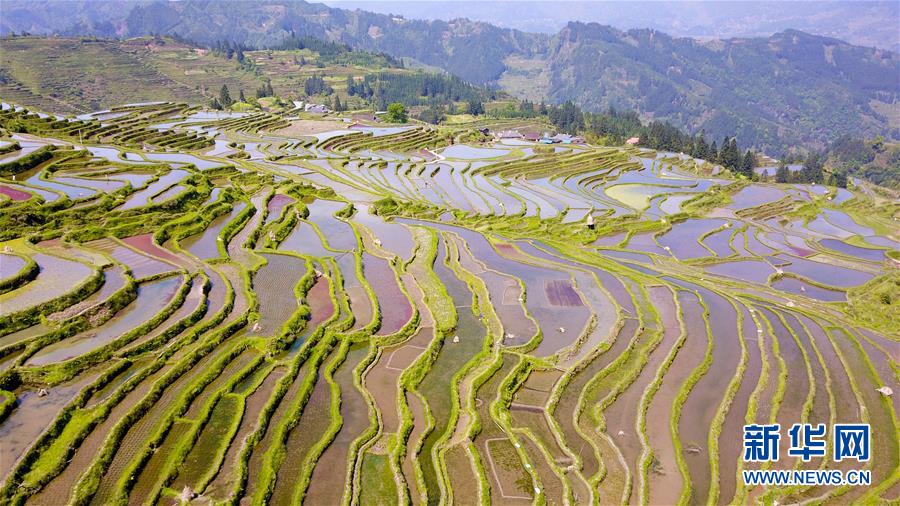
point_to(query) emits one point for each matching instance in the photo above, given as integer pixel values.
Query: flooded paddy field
(373, 317)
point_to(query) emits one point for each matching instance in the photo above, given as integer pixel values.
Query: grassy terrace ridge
(201, 306)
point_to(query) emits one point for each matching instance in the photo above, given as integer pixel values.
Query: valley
(276, 307)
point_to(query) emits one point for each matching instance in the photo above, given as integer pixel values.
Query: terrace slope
(356, 319)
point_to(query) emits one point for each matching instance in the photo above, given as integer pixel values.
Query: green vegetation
(421, 312)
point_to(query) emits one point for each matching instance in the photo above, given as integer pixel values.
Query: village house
(508, 134)
(316, 108)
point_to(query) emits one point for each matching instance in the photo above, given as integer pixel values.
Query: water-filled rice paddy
(470, 152)
(358, 324)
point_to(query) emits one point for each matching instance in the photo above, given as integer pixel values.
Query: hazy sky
(870, 23)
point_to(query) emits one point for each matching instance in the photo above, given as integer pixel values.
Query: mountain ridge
(786, 89)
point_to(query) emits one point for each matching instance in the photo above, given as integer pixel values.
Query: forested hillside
(775, 92)
(788, 88)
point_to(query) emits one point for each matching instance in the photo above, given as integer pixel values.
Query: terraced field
(194, 308)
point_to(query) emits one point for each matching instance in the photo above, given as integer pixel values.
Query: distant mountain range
(785, 89)
(860, 22)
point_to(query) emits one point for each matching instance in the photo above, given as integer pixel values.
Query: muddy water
(10, 265)
(381, 380)
(222, 483)
(152, 297)
(395, 307)
(665, 479)
(142, 197)
(140, 265)
(337, 233)
(752, 271)
(113, 280)
(24, 334)
(394, 237)
(797, 382)
(204, 245)
(321, 308)
(144, 243)
(621, 416)
(872, 255)
(602, 306)
(274, 286)
(194, 301)
(569, 399)
(800, 287)
(551, 318)
(313, 423)
(884, 443)
(303, 239)
(435, 386)
(33, 414)
(706, 395)
(499, 473)
(820, 411)
(276, 205)
(56, 276)
(355, 418)
(729, 444)
(505, 294)
(682, 239)
(360, 305)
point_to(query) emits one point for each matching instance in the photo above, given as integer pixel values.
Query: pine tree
(840, 179)
(702, 147)
(782, 174)
(812, 169)
(225, 97)
(748, 163)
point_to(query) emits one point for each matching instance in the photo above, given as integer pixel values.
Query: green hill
(786, 89)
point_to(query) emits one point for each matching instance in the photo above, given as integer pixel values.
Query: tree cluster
(316, 85)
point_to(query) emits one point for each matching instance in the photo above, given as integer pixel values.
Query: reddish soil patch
(505, 249)
(144, 243)
(14, 194)
(395, 307)
(381, 380)
(277, 203)
(360, 306)
(561, 293)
